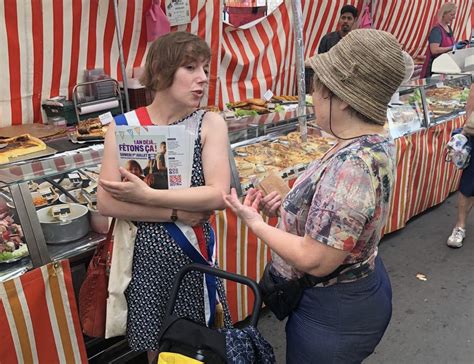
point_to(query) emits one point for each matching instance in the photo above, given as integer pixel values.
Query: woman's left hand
(247, 211)
(131, 189)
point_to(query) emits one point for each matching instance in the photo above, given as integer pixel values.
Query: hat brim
(324, 67)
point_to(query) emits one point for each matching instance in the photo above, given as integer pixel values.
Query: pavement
(433, 319)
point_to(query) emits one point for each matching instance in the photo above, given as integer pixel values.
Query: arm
(434, 40)
(215, 158)
(436, 49)
(304, 253)
(334, 223)
(109, 206)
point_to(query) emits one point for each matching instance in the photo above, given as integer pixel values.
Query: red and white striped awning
(47, 45)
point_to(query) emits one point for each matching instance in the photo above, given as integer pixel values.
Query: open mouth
(198, 93)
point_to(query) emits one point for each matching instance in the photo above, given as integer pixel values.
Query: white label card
(439, 84)
(106, 118)
(268, 95)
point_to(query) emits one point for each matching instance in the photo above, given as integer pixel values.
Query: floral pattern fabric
(343, 202)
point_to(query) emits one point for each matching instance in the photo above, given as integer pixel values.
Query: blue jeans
(342, 323)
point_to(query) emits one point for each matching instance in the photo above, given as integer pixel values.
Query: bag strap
(308, 280)
(111, 229)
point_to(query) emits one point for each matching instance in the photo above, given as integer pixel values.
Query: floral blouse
(343, 202)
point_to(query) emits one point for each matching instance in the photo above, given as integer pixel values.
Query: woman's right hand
(194, 218)
(248, 210)
(270, 204)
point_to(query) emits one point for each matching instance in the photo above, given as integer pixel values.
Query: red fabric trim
(143, 116)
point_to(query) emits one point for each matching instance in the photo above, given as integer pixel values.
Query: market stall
(246, 63)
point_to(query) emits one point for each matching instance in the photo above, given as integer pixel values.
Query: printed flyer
(161, 156)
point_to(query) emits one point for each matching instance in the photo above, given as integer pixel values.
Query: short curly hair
(167, 54)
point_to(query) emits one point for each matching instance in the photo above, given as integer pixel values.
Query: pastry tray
(73, 138)
(43, 153)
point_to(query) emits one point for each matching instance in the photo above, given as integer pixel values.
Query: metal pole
(118, 32)
(300, 74)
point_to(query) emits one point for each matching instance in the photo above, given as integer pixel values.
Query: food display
(446, 99)
(19, 146)
(80, 196)
(44, 197)
(89, 129)
(257, 160)
(256, 106)
(73, 226)
(12, 247)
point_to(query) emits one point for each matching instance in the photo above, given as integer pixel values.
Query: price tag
(106, 118)
(91, 189)
(47, 193)
(439, 84)
(268, 95)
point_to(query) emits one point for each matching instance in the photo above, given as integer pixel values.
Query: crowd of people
(333, 215)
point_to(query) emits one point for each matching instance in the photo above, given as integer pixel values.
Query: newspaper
(160, 155)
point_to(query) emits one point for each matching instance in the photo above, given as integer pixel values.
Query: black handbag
(282, 296)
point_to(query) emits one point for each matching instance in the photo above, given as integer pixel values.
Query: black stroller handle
(221, 274)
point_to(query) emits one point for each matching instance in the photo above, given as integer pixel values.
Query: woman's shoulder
(213, 121)
(373, 150)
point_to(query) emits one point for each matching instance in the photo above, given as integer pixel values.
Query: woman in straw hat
(336, 210)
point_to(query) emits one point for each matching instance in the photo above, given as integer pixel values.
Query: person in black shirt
(347, 20)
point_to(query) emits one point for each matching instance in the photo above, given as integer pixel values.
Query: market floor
(433, 320)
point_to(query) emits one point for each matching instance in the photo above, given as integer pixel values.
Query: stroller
(183, 341)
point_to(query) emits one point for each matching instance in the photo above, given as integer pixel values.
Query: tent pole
(300, 74)
(118, 32)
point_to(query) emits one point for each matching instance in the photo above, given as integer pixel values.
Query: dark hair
(167, 54)
(131, 163)
(349, 9)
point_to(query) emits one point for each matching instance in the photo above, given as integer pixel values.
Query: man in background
(347, 20)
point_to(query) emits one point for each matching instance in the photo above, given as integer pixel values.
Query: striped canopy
(47, 45)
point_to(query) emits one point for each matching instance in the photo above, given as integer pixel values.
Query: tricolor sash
(134, 118)
(192, 241)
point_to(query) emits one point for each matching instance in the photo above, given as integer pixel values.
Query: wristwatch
(174, 215)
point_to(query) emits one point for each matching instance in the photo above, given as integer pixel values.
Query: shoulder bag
(93, 292)
(283, 296)
(458, 149)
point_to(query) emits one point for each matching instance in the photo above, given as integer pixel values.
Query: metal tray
(43, 153)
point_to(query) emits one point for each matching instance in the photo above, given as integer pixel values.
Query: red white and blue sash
(193, 242)
(134, 118)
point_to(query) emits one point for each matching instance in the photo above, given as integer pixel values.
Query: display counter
(30, 187)
(423, 180)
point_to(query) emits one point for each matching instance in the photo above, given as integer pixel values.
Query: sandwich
(273, 182)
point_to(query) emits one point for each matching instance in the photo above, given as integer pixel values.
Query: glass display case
(446, 96)
(272, 143)
(48, 210)
(426, 102)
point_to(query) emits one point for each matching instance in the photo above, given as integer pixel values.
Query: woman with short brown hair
(177, 70)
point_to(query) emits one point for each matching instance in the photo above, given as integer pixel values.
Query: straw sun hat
(364, 69)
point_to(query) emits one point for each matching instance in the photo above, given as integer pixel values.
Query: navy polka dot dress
(157, 258)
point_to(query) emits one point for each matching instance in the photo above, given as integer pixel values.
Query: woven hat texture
(364, 69)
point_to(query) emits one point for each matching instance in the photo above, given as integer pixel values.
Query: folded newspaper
(160, 155)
